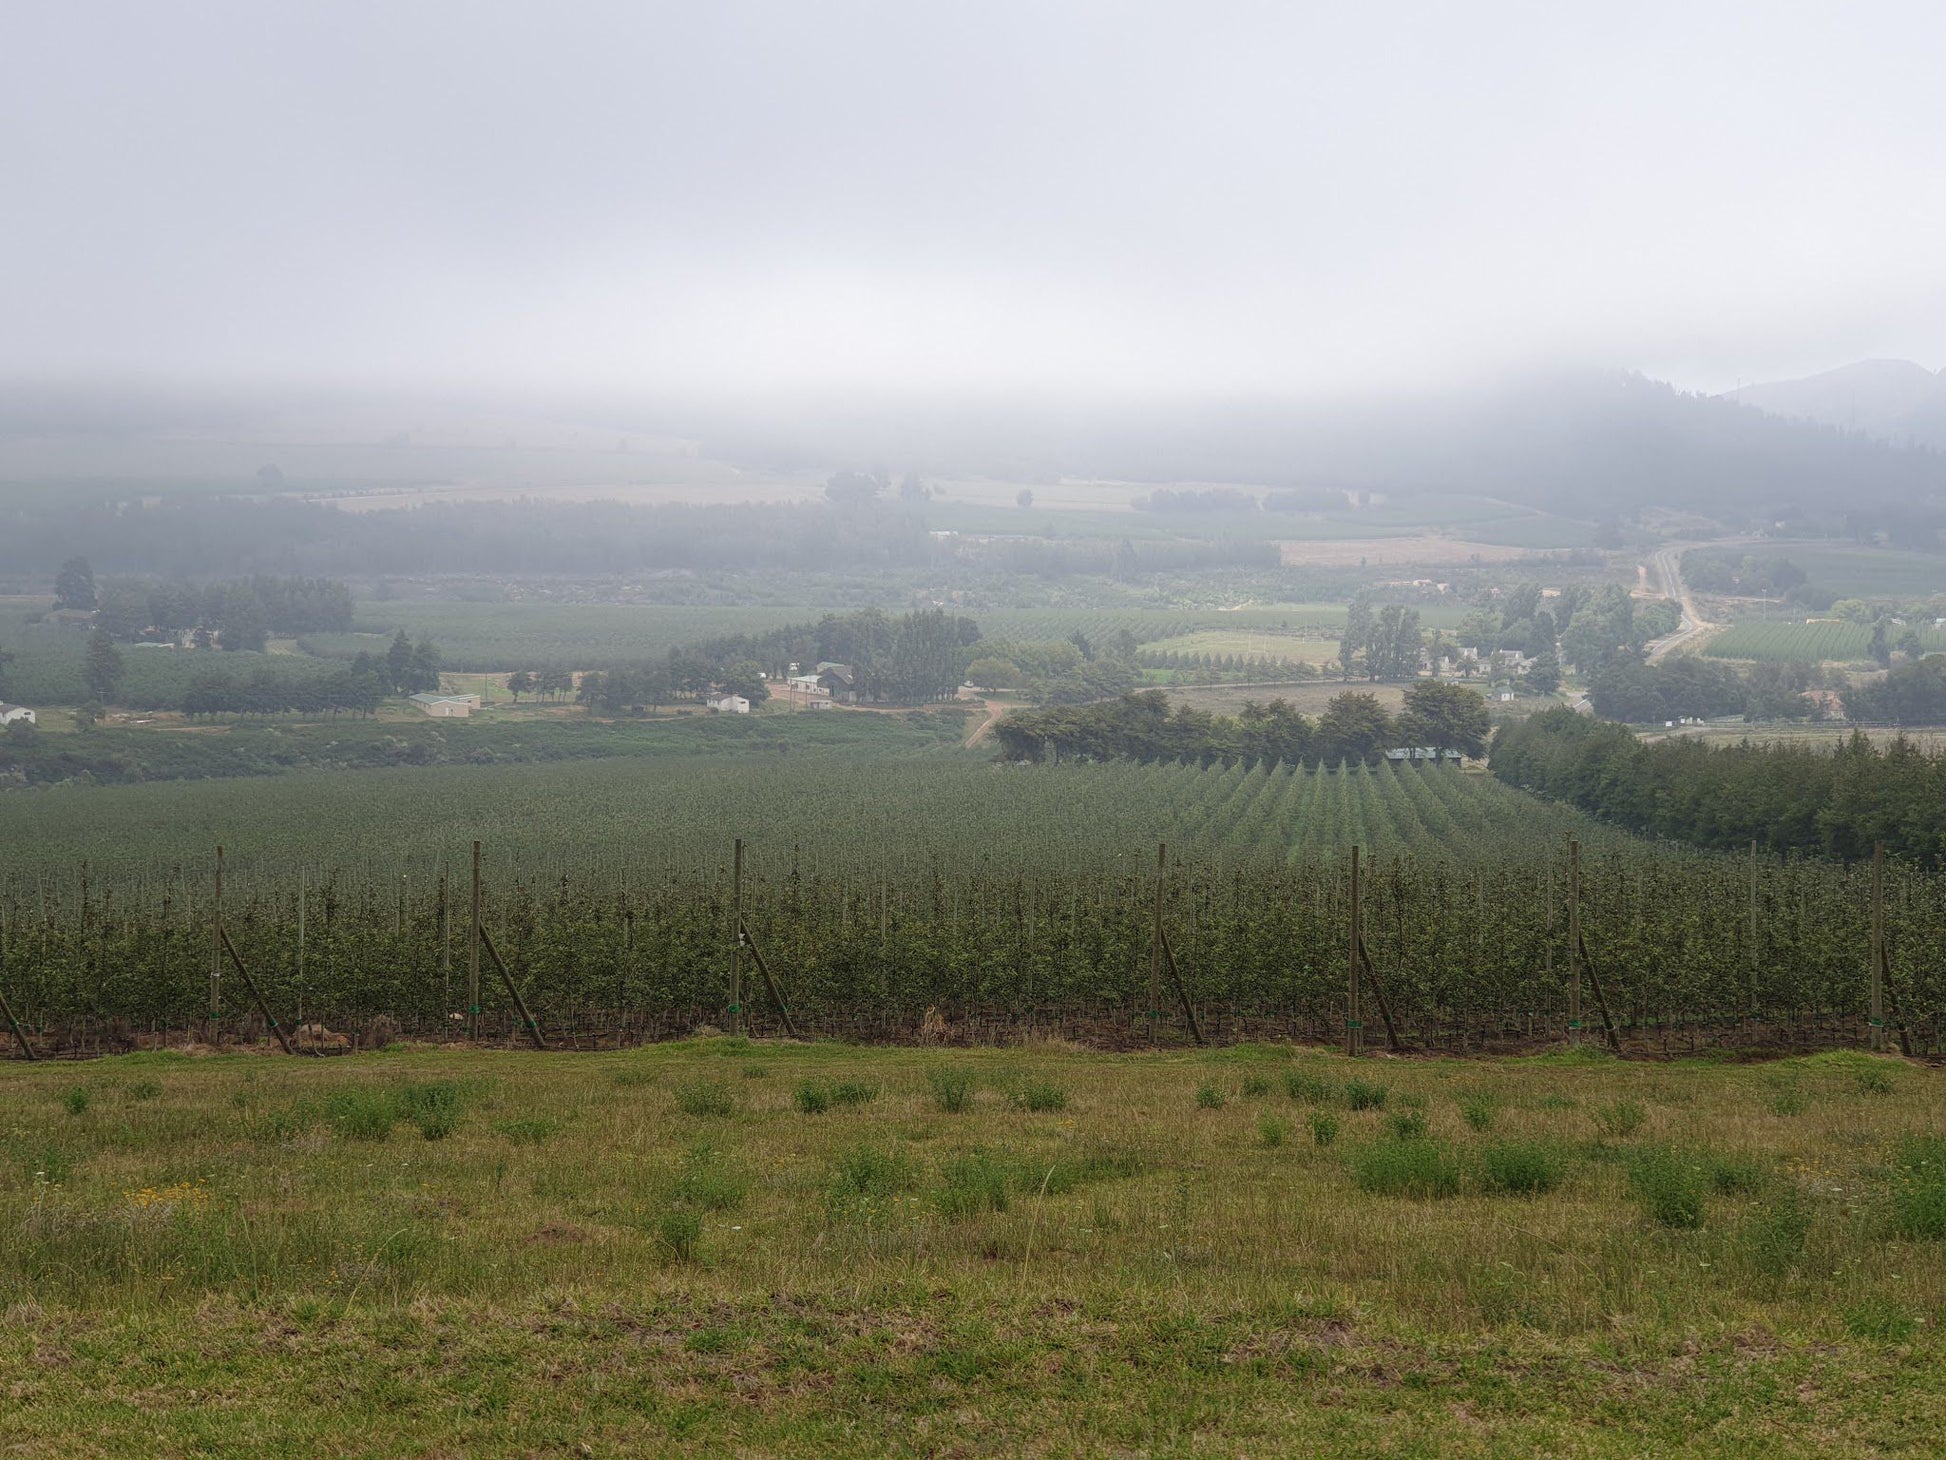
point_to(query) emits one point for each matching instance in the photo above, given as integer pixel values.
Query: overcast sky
(1071, 196)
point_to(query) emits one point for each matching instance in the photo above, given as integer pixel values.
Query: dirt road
(1665, 565)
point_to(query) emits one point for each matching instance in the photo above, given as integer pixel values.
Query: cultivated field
(1826, 639)
(732, 1248)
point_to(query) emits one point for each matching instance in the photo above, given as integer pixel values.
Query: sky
(928, 198)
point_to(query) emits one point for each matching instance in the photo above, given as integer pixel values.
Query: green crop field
(886, 883)
(728, 1247)
(1825, 639)
(1854, 572)
(510, 636)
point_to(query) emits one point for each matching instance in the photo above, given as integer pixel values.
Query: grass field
(1854, 572)
(724, 1248)
(1287, 648)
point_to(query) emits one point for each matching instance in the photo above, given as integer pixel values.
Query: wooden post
(763, 967)
(1354, 1028)
(1574, 941)
(473, 955)
(736, 952)
(533, 1029)
(13, 1024)
(1182, 993)
(216, 946)
(445, 947)
(1753, 929)
(302, 878)
(1878, 946)
(256, 994)
(1155, 943)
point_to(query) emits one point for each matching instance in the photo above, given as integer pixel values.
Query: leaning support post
(1354, 1027)
(736, 953)
(1378, 991)
(473, 955)
(216, 945)
(1155, 943)
(255, 993)
(1182, 993)
(533, 1029)
(1878, 947)
(763, 967)
(19, 1034)
(1601, 1000)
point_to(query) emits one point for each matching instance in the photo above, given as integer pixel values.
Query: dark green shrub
(1407, 1125)
(971, 1184)
(1670, 1188)
(952, 1090)
(1040, 1096)
(1362, 1096)
(1417, 1168)
(705, 1098)
(813, 1097)
(1310, 1088)
(679, 1231)
(1521, 1168)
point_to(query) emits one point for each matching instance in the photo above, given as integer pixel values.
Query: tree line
(1784, 798)
(1353, 728)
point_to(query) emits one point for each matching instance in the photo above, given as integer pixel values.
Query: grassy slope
(209, 1261)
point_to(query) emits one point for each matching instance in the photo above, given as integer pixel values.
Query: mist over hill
(1899, 401)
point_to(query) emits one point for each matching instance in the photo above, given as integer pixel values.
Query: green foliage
(1309, 1088)
(1255, 1086)
(138, 1090)
(1774, 1233)
(1669, 1187)
(1523, 1168)
(1271, 1131)
(854, 1092)
(971, 1185)
(708, 1181)
(952, 1090)
(1042, 1096)
(361, 1114)
(1406, 1125)
(866, 1179)
(812, 1097)
(1619, 1120)
(434, 1107)
(1875, 1080)
(76, 1100)
(1415, 1168)
(1210, 1096)
(680, 1232)
(1919, 1188)
(1881, 1320)
(1365, 1095)
(1479, 1111)
(705, 1098)
(1324, 1127)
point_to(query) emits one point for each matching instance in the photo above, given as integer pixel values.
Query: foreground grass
(729, 1248)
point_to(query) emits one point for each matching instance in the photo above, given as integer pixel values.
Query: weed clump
(705, 1098)
(1042, 1097)
(1555, 1102)
(1307, 1088)
(1773, 1235)
(1520, 1168)
(1479, 1111)
(1882, 1320)
(1733, 1177)
(142, 1090)
(361, 1115)
(1875, 1080)
(813, 1097)
(1210, 1096)
(708, 1182)
(1417, 1168)
(1620, 1120)
(971, 1184)
(433, 1107)
(1669, 1188)
(1271, 1131)
(854, 1092)
(865, 1179)
(76, 1101)
(1255, 1086)
(1407, 1125)
(952, 1090)
(1324, 1127)
(1919, 1191)
(1362, 1096)
(680, 1232)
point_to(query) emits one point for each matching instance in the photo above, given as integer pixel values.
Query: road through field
(1666, 565)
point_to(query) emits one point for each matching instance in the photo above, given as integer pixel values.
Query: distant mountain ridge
(1896, 400)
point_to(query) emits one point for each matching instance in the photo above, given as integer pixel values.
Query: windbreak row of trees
(1353, 728)
(1784, 798)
